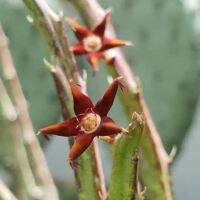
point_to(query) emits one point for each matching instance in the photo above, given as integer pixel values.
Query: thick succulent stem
(33, 148)
(124, 180)
(89, 176)
(155, 159)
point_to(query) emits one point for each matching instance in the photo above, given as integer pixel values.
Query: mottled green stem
(155, 167)
(124, 180)
(89, 176)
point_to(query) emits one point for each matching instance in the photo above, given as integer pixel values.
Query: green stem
(124, 180)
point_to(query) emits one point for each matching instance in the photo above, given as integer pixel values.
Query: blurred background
(165, 57)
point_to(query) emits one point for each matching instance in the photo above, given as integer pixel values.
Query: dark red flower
(90, 120)
(93, 43)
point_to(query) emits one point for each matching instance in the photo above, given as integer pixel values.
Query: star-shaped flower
(93, 43)
(90, 120)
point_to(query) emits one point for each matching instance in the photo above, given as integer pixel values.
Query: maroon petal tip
(80, 31)
(81, 101)
(65, 129)
(103, 106)
(99, 29)
(81, 143)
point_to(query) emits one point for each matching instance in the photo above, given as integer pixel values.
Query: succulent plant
(140, 164)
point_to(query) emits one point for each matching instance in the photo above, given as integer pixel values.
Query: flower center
(92, 43)
(90, 123)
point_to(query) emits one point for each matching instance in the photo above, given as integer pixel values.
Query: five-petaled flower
(93, 42)
(90, 120)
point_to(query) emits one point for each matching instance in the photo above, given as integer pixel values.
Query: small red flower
(93, 43)
(90, 121)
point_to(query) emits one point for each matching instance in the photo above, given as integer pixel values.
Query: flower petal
(78, 49)
(103, 106)
(80, 145)
(81, 102)
(108, 127)
(112, 43)
(93, 59)
(100, 28)
(80, 31)
(66, 128)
